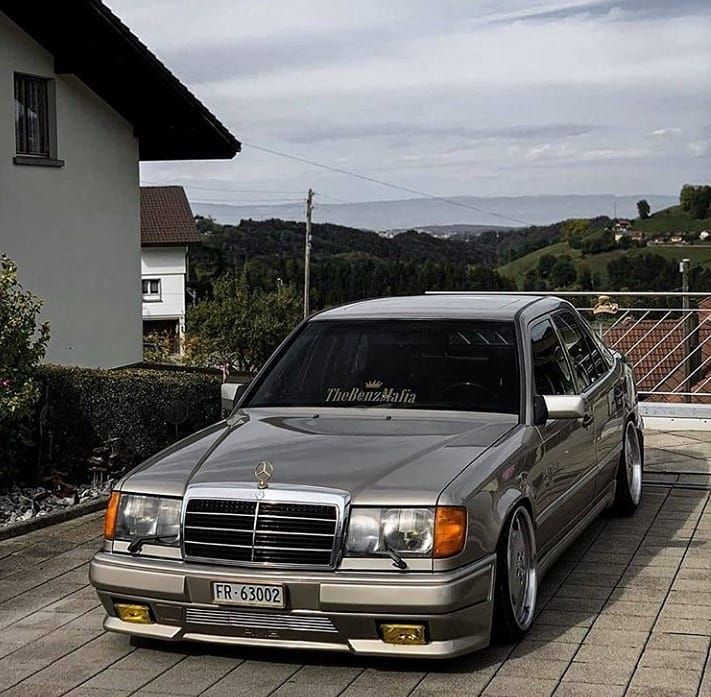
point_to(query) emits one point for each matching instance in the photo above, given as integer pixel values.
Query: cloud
(454, 97)
(666, 132)
(311, 134)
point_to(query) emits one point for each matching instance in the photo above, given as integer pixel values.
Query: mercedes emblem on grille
(263, 472)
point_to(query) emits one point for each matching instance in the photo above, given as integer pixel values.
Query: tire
(628, 491)
(516, 578)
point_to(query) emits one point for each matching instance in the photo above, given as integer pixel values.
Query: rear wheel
(628, 492)
(516, 578)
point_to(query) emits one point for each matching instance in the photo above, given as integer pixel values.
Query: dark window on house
(151, 288)
(32, 116)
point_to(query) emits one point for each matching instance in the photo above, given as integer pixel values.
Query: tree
(240, 328)
(532, 280)
(545, 265)
(563, 273)
(22, 346)
(585, 279)
(643, 209)
(696, 200)
(574, 230)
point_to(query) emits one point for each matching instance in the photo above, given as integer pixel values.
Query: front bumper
(338, 611)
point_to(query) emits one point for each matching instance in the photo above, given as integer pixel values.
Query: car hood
(380, 458)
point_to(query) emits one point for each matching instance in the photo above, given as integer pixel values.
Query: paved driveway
(626, 611)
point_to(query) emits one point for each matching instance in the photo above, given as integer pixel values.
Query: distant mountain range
(422, 213)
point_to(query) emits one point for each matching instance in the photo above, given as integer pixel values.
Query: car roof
(490, 306)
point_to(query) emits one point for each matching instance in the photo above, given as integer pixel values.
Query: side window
(587, 360)
(35, 123)
(550, 367)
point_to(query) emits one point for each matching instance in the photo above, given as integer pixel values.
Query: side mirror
(540, 410)
(564, 406)
(230, 392)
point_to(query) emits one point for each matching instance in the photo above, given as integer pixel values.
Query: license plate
(248, 594)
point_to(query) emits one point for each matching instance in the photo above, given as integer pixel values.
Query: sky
(452, 97)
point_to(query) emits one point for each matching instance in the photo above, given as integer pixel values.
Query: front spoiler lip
(479, 615)
(457, 605)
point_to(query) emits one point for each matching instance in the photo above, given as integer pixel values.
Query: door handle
(587, 420)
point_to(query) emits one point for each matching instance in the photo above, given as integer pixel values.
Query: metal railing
(666, 338)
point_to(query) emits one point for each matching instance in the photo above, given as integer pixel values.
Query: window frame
(152, 297)
(590, 342)
(541, 319)
(48, 156)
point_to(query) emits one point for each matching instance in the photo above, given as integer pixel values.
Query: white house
(167, 231)
(82, 101)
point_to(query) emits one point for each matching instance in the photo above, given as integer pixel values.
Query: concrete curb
(24, 526)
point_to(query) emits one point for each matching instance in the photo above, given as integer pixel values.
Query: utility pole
(307, 251)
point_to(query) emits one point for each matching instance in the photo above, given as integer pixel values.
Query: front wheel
(516, 578)
(628, 491)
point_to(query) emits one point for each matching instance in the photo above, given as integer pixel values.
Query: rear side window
(588, 363)
(550, 367)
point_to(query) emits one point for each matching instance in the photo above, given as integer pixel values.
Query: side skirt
(550, 557)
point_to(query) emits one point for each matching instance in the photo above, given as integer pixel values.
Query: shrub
(22, 346)
(87, 407)
(239, 328)
(158, 347)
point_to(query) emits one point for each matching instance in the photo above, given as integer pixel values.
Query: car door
(610, 384)
(591, 373)
(566, 460)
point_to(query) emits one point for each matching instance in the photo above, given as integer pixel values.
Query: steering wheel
(464, 387)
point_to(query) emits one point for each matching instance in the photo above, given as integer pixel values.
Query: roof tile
(166, 217)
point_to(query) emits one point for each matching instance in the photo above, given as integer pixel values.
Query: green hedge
(83, 407)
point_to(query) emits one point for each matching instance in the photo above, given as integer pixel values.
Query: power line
(381, 182)
(250, 191)
(233, 191)
(263, 202)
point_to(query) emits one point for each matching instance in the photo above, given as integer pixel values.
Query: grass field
(671, 220)
(597, 263)
(667, 221)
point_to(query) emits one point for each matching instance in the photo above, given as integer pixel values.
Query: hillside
(253, 239)
(671, 220)
(665, 222)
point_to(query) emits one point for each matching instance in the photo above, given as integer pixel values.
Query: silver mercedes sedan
(395, 481)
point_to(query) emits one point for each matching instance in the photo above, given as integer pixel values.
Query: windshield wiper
(137, 545)
(398, 561)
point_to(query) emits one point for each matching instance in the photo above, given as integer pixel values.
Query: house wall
(169, 265)
(74, 230)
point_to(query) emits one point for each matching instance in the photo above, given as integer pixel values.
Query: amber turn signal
(111, 513)
(450, 531)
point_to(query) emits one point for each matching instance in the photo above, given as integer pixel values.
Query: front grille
(259, 620)
(260, 532)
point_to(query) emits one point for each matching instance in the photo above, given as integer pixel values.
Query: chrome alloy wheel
(521, 565)
(633, 463)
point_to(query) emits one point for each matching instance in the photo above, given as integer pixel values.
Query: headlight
(418, 532)
(407, 531)
(148, 517)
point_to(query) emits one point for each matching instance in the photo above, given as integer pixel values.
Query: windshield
(460, 365)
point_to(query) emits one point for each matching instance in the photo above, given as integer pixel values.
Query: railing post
(688, 326)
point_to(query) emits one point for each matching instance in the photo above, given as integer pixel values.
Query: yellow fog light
(403, 633)
(137, 614)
